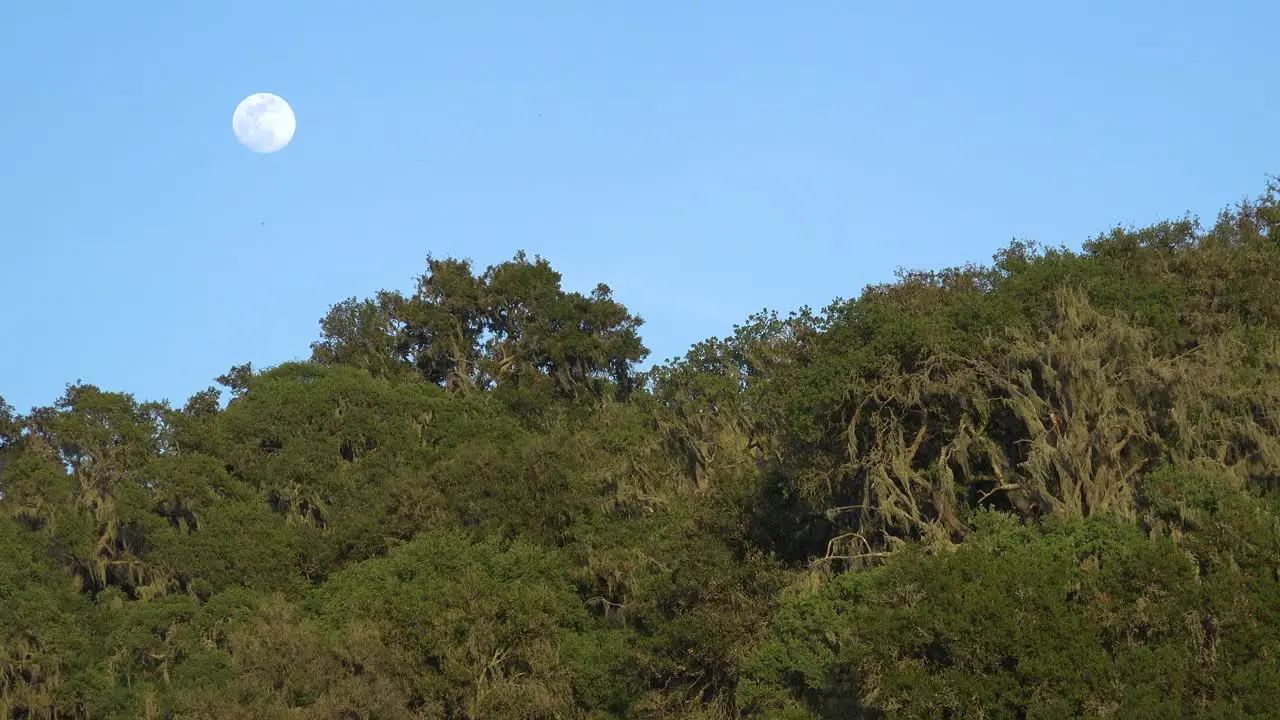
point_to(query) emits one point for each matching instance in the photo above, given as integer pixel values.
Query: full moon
(263, 122)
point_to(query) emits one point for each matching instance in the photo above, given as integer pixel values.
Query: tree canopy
(1042, 487)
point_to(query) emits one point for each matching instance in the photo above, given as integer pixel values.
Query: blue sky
(705, 159)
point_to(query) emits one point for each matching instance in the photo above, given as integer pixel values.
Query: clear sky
(705, 159)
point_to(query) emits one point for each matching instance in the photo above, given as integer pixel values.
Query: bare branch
(993, 491)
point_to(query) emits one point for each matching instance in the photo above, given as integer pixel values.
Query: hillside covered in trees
(1044, 487)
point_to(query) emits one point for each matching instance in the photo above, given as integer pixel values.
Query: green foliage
(1040, 488)
(482, 621)
(42, 634)
(1079, 618)
(511, 326)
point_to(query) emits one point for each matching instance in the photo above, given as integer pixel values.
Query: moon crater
(264, 123)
